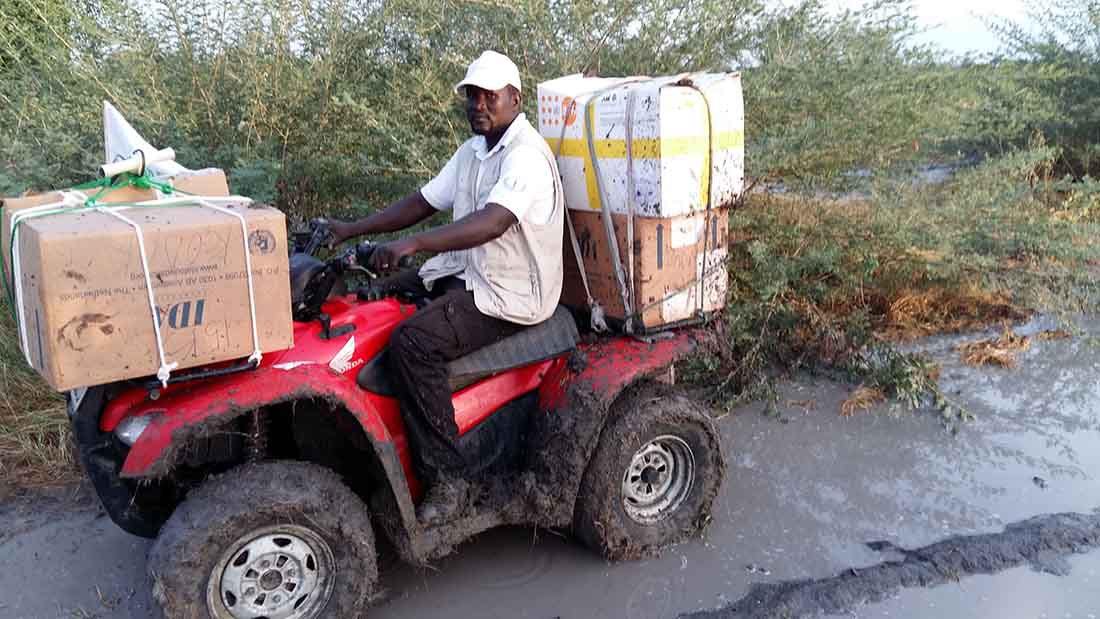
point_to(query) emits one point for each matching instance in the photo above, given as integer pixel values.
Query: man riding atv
(265, 483)
(498, 268)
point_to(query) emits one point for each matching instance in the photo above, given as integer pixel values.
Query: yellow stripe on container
(644, 148)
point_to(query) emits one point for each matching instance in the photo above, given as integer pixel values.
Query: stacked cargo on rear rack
(144, 273)
(653, 163)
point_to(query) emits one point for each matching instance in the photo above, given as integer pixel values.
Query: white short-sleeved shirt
(526, 185)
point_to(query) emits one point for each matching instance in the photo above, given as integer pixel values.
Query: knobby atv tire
(636, 418)
(249, 498)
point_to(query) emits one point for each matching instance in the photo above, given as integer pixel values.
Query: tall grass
(35, 445)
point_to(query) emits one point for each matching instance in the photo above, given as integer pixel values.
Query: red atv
(264, 485)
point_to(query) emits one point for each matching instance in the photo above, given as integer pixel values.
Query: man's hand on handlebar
(393, 255)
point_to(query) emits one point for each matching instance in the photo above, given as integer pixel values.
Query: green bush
(1055, 69)
(354, 97)
(324, 106)
(826, 93)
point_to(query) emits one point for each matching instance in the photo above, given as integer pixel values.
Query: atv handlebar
(314, 239)
(313, 279)
(320, 234)
(365, 249)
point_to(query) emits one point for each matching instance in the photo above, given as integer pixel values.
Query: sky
(956, 24)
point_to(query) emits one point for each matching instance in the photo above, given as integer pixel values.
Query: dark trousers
(449, 327)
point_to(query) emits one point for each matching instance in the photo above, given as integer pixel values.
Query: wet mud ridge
(1043, 542)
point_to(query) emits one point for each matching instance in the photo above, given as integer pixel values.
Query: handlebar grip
(365, 249)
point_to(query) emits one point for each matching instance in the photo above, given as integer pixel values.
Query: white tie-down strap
(68, 200)
(596, 317)
(186, 200)
(165, 371)
(631, 196)
(257, 355)
(626, 290)
(605, 214)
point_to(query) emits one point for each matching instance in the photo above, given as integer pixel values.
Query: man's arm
(408, 211)
(472, 230)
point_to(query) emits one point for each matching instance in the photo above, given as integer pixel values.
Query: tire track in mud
(1043, 542)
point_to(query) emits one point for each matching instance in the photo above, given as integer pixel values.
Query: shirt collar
(509, 135)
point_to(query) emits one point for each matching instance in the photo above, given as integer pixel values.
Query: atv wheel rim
(659, 478)
(280, 572)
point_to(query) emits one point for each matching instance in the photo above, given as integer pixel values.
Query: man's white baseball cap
(491, 71)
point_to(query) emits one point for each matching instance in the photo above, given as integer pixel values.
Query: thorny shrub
(827, 283)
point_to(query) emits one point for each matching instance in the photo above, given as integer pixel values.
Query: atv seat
(548, 339)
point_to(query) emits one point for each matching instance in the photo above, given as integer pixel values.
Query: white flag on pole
(120, 140)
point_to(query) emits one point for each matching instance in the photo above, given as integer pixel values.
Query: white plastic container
(687, 146)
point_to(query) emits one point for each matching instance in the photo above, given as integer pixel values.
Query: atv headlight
(129, 430)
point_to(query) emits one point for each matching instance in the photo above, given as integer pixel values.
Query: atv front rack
(154, 387)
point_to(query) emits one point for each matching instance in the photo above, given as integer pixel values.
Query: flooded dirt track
(805, 494)
(63, 558)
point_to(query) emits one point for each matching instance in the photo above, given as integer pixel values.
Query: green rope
(107, 185)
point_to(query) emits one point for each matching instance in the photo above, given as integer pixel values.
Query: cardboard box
(85, 306)
(210, 182)
(670, 255)
(688, 140)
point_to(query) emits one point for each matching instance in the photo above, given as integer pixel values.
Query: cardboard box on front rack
(679, 266)
(85, 314)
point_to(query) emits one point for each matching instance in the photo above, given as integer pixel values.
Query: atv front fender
(188, 414)
(185, 414)
(573, 408)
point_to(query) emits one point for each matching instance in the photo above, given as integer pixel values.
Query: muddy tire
(653, 477)
(283, 540)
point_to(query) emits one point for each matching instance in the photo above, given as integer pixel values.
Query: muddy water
(807, 490)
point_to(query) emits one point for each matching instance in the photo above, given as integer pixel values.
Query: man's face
(491, 111)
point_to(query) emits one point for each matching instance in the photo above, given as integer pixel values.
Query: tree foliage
(323, 104)
(1054, 60)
